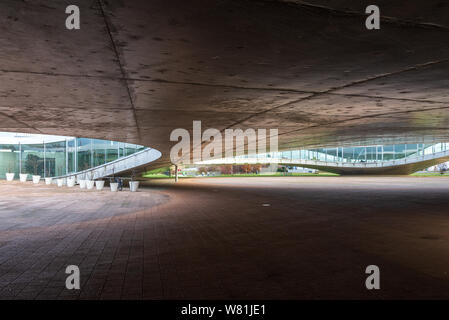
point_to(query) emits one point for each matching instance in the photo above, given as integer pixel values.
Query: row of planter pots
(84, 184)
(23, 177)
(99, 184)
(89, 184)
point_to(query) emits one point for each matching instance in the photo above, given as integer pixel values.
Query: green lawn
(430, 174)
(156, 176)
(160, 173)
(278, 174)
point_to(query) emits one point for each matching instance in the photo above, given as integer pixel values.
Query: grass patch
(158, 171)
(430, 174)
(279, 174)
(245, 175)
(156, 176)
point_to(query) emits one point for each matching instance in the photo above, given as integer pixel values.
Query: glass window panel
(33, 159)
(129, 149)
(111, 151)
(55, 159)
(84, 155)
(71, 155)
(99, 152)
(399, 151)
(9, 160)
(388, 153)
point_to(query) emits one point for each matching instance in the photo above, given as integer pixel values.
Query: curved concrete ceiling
(138, 69)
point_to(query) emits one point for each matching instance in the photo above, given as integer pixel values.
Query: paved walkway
(273, 238)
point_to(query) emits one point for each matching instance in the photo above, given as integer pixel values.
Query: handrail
(153, 155)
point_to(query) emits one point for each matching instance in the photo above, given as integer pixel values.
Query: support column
(66, 157)
(76, 155)
(45, 159)
(176, 173)
(91, 153)
(20, 158)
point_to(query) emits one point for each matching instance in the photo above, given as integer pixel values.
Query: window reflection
(56, 158)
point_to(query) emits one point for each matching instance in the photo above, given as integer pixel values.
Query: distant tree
(212, 169)
(226, 169)
(32, 163)
(282, 169)
(255, 168)
(202, 170)
(10, 166)
(442, 168)
(246, 168)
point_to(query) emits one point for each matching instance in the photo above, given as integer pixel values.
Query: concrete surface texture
(234, 238)
(138, 69)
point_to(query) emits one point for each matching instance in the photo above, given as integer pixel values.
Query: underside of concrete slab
(136, 71)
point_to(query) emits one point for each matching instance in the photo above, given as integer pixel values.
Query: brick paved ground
(228, 238)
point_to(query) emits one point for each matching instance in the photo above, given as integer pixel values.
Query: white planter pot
(133, 186)
(10, 176)
(83, 184)
(48, 181)
(99, 184)
(114, 186)
(71, 182)
(36, 179)
(23, 177)
(90, 184)
(60, 182)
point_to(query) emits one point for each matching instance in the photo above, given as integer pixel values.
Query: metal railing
(305, 162)
(118, 166)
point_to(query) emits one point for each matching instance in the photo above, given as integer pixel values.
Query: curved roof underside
(138, 69)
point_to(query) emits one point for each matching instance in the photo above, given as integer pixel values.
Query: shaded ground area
(274, 238)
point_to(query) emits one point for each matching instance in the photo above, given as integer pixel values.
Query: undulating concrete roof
(138, 69)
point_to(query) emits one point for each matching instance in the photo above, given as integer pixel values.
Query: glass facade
(50, 158)
(9, 159)
(356, 154)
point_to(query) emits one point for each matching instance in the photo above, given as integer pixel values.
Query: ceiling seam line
(122, 69)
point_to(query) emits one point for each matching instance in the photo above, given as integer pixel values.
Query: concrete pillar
(20, 158)
(176, 173)
(43, 142)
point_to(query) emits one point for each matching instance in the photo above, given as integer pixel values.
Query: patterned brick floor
(228, 238)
